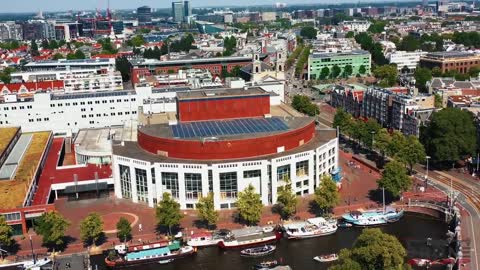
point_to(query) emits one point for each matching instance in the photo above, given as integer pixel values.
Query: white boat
(313, 227)
(206, 239)
(28, 264)
(258, 251)
(165, 261)
(326, 258)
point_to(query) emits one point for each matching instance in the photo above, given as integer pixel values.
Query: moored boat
(258, 251)
(326, 258)
(344, 225)
(163, 251)
(206, 239)
(267, 264)
(374, 217)
(249, 237)
(313, 227)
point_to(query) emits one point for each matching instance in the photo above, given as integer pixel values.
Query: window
(12, 216)
(302, 168)
(82, 103)
(283, 173)
(251, 174)
(153, 175)
(228, 185)
(210, 181)
(170, 183)
(142, 186)
(89, 103)
(125, 182)
(193, 185)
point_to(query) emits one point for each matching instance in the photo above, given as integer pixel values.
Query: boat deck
(254, 236)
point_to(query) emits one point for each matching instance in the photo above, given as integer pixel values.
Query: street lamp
(426, 174)
(31, 246)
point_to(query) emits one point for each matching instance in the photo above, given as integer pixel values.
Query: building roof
(97, 141)
(133, 150)
(221, 93)
(32, 86)
(319, 55)
(156, 62)
(6, 136)
(451, 54)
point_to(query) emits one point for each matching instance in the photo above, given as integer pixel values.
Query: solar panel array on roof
(228, 127)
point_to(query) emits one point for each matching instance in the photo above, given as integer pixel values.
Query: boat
(326, 258)
(419, 262)
(31, 264)
(206, 239)
(165, 261)
(312, 227)
(161, 251)
(266, 265)
(344, 225)
(249, 237)
(373, 217)
(258, 251)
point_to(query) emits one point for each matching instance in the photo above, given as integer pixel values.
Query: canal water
(412, 230)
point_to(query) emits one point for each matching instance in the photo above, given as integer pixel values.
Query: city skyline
(60, 5)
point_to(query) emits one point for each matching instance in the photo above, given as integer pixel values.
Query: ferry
(249, 237)
(312, 227)
(162, 251)
(374, 217)
(206, 239)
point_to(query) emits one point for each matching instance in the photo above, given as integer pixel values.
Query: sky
(64, 5)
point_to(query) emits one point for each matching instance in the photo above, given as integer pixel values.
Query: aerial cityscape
(209, 135)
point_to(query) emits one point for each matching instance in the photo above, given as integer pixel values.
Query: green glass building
(356, 58)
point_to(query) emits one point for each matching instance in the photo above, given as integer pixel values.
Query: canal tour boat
(250, 237)
(162, 251)
(258, 251)
(326, 258)
(374, 217)
(312, 227)
(206, 239)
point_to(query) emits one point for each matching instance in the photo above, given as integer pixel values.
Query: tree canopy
(123, 65)
(373, 250)
(168, 212)
(52, 226)
(326, 194)
(206, 209)
(387, 75)
(249, 205)
(395, 178)
(124, 229)
(422, 76)
(91, 228)
(305, 105)
(6, 233)
(286, 200)
(450, 135)
(308, 32)
(411, 152)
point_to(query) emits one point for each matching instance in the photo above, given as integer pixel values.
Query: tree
(377, 27)
(79, 54)
(5, 75)
(286, 200)
(342, 120)
(249, 205)
(6, 233)
(422, 76)
(373, 250)
(91, 228)
(474, 71)
(411, 152)
(382, 141)
(58, 56)
(336, 70)
(345, 262)
(34, 48)
(350, 34)
(372, 127)
(168, 212)
(436, 72)
(308, 32)
(124, 229)
(324, 73)
(438, 101)
(409, 44)
(123, 65)
(450, 135)
(52, 226)
(304, 105)
(387, 75)
(362, 69)
(347, 71)
(326, 194)
(397, 141)
(395, 179)
(206, 209)
(137, 41)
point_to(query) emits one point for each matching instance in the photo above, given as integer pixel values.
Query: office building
(11, 31)
(357, 59)
(406, 59)
(448, 61)
(178, 11)
(144, 15)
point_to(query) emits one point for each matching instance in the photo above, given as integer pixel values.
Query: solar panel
(227, 127)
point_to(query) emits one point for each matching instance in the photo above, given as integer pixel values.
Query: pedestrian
(140, 227)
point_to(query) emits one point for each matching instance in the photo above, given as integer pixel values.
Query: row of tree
(375, 48)
(302, 60)
(305, 105)
(295, 54)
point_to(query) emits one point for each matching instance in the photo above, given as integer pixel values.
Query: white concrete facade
(404, 58)
(304, 170)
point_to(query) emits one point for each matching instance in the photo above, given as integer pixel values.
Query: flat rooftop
(452, 54)
(134, 151)
(320, 55)
(232, 129)
(224, 92)
(13, 192)
(156, 62)
(75, 62)
(6, 136)
(98, 141)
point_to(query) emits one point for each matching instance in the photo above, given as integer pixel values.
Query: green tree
(373, 250)
(6, 233)
(382, 141)
(450, 135)
(372, 127)
(438, 101)
(124, 229)
(411, 152)
(79, 55)
(324, 73)
(286, 200)
(409, 44)
(350, 34)
(474, 71)
(342, 120)
(336, 70)
(304, 105)
(422, 76)
(249, 205)
(395, 179)
(377, 27)
(396, 143)
(52, 226)
(436, 72)
(91, 228)
(308, 32)
(34, 48)
(387, 75)
(58, 56)
(137, 41)
(5, 75)
(168, 212)
(362, 70)
(123, 65)
(347, 71)
(206, 210)
(326, 194)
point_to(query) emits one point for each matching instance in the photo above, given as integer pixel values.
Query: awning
(84, 188)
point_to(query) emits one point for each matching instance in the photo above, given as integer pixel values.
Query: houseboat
(249, 237)
(313, 227)
(206, 239)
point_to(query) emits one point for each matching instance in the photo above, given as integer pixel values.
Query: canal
(412, 230)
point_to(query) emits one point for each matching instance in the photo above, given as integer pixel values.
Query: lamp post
(426, 174)
(31, 246)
